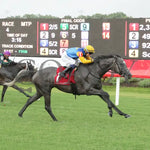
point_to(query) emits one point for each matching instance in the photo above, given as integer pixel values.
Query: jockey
(4, 58)
(73, 56)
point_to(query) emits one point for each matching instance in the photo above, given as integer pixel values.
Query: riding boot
(63, 73)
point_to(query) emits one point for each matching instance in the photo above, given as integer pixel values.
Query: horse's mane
(12, 63)
(106, 56)
(102, 57)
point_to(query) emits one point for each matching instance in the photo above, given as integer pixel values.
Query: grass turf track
(83, 124)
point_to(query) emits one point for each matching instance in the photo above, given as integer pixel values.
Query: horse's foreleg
(119, 111)
(3, 92)
(29, 101)
(113, 105)
(15, 87)
(47, 98)
(20, 90)
(105, 96)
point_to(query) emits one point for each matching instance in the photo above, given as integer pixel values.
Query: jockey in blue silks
(73, 56)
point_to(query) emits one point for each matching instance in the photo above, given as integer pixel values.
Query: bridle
(117, 67)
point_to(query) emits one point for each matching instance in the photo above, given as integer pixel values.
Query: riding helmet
(89, 49)
(7, 53)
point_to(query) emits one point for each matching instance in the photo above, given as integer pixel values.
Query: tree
(117, 15)
(94, 16)
(67, 17)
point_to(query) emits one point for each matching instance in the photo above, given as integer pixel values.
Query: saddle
(64, 81)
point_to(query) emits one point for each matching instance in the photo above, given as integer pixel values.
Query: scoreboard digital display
(18, 36)
(129, 38)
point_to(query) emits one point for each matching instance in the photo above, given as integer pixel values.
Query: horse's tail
(27, 73)
(20, 75)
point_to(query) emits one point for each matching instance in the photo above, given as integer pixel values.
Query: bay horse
(87, 82)
(9, 71)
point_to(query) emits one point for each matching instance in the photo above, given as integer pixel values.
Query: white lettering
(10, 34)
(23, 46)
(79, 20)
(29, 23)
(66, 20)
(7, 45)
(9, 24)
(52, 52)
(146, 54)
(73, 26)
(23, 34)
(17, 34)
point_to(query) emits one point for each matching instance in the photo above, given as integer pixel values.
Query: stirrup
(60, 74)
(63, 75)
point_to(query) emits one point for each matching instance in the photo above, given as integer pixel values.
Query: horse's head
(26, 65)
(30, 66)
(120, 67)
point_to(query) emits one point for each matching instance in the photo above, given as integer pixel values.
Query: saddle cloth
(64, 81)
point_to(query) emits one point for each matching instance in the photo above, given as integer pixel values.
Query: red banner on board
(138, 68)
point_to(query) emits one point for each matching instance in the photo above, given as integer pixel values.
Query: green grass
(83, 124)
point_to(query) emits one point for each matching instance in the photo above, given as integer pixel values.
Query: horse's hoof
(127, 116)
(20, 115)
(110, 114)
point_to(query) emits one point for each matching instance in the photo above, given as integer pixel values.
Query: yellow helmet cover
(90, 49)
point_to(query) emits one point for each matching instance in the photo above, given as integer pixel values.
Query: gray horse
(87, 78)
(9, 72)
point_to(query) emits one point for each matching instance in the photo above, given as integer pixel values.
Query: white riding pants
(67, 61)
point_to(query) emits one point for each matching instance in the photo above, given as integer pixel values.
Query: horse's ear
(116, 56)
(29, 62)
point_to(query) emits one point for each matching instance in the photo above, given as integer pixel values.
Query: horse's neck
(97, 68)
(101, 67)
(14, 68)
(9, 68)
(106, 64)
